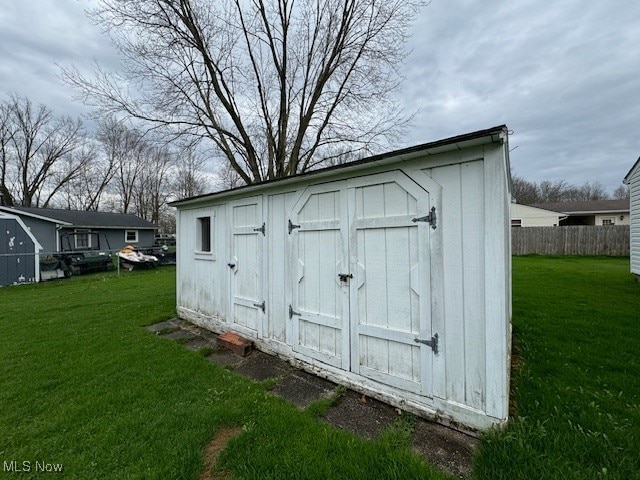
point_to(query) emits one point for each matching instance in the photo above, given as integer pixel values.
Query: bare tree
(6, 134)
(621, 192)
(527, 192)
(125, 150)
(139, 169)
(34, 146)
(275, 85)
(188, 174)
(151, 188)
(86, 190)
(593, 191)
(553, 191)
(524, 191)
(228, 178)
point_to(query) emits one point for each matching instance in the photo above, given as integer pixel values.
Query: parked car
(165, 239)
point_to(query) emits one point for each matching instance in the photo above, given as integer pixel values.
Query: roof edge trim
(17, 212)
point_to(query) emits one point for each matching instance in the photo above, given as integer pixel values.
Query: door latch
(345, 276)
(433, 343)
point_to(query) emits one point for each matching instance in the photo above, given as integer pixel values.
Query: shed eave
(632, 171)
(474, 139)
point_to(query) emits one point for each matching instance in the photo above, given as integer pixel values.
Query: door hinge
(433, 343)
(292, 226)
(430, 219)
(292, 312)
(262, 306)
(262, 229)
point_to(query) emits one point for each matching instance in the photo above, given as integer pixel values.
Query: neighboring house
(596, 212)
(528, 216)
(19, 251)
(633, 181)
(390, 274)
(50, 226)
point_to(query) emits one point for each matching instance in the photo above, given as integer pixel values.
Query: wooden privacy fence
(574, 240)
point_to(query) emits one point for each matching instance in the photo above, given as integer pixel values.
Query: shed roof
(595, 206)
(77, 218)
(467, 140)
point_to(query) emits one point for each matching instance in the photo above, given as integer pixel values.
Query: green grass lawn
(84, 385)
(576, 324)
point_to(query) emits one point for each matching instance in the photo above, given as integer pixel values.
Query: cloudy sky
(564, 76)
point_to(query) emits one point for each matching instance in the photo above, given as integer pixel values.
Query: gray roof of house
(79, 218)
(595, 206)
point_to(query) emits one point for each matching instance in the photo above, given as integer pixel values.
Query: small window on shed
(203, 234)
(131, 236)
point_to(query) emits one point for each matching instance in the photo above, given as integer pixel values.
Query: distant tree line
(49, 161)
(527, 192)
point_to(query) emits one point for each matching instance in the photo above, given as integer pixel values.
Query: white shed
(633, 181)
(390, 275)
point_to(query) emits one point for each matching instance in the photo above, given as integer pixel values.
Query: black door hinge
(430, 219)
(292, 312)
(433, 343)
(262, 306)
(292, 226)
(262, 229)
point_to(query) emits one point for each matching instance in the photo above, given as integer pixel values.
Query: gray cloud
(561, 75)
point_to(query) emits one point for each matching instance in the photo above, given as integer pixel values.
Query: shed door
(390, 291)
(245, 265)
(320, 303)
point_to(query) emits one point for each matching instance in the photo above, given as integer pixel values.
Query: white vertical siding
(634, 186)
(203, 277)
(497, 284)
(462, 223)
(451, 224)
(474, 211)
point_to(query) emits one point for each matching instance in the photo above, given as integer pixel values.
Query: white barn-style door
(361, 298)
(391, 292)
(245, 265)
(320, 300)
